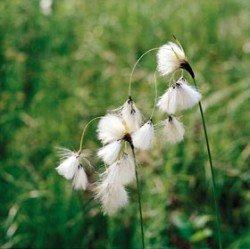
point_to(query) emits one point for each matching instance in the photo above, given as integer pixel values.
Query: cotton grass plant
(72, 167)
(116, 131)
(122, 132)
(74, 163)
(171, 58)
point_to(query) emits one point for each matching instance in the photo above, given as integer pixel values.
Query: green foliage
(58, 71)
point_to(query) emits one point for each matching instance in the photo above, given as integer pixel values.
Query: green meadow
(59, 70)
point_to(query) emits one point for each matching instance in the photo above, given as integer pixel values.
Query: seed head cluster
(124, 130)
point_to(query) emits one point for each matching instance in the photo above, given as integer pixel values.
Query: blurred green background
(62, 66)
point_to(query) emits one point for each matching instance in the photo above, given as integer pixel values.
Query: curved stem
(179, 44)
(215, 195)
(132, 72)
(84, 130)
(155, 85)
(172, 79)
(139, 196)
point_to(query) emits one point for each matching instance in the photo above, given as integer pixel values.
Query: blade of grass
(215, 194)
(139, 196)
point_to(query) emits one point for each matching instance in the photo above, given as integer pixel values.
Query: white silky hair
(72, 167)
(113, 196)
(80, 180)
(143, 138)
(69, 164)
(169, 58)
(131, 115)
(174, 130)
(110, 128)
(121, 171)
(178, 97)
(65, 153)
(186, 95)
(167, 102)
(109, 153)
(111, 191)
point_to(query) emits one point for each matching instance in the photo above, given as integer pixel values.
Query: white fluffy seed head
(178, 97)
(72, 167)
(143, 137)
(109, 153)
(167, 102)
(131, 115)
(127, 169)
(110, 128)
(111, 191)
(186, 95)
(112, 196)
(169, 58)
(174, 130)
(121, 171)
(80, 180)
(46, 7)
(69, 164)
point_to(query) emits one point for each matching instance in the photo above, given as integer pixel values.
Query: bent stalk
(139, 197)
(215, 195)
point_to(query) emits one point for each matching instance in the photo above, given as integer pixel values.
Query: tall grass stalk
(138, 196)
(156, 93)
(132, 147)
(132, 72)
(84, 130)
(215, 194)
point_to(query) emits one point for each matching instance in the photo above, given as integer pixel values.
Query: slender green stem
(132, 72)
(84, 130)
(155, 101)
(215, 195)
(179, 44)
(139, 197)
